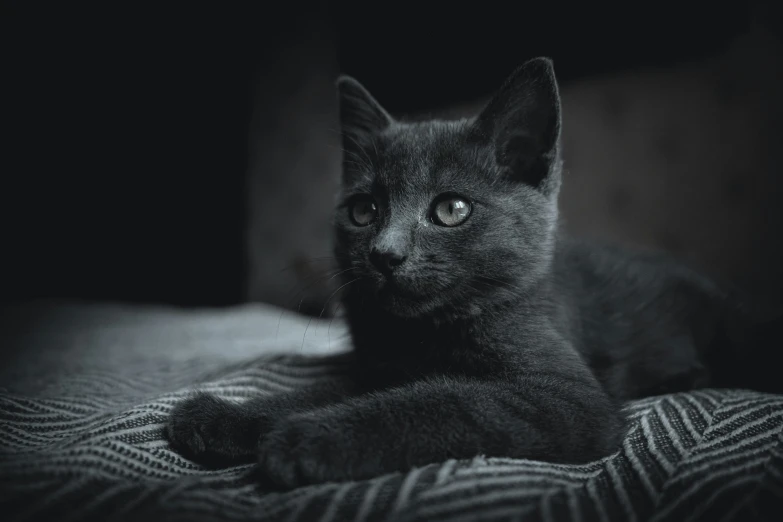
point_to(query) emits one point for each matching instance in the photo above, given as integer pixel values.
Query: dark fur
(498, 337)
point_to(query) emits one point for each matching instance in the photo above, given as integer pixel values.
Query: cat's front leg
(545, 416)
(217, 432)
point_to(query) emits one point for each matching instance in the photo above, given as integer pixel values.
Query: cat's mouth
(407, 299)
(391, 288)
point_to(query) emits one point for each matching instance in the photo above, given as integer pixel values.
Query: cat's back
(609, 274)
(639, 318)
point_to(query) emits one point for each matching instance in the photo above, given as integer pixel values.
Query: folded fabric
(86, 395)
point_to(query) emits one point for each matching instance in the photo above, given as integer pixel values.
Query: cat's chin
(403, 302)
(434, 304)
(434, 310)
(407, 308)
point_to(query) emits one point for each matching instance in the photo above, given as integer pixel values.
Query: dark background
(125, 143)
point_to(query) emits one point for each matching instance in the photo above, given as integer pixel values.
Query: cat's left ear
(522, 122)
(361, 116)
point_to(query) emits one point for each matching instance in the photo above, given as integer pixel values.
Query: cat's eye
(450, 210)
(362, 210)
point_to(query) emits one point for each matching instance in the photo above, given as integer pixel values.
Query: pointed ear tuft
(522, 122)
(361, 116)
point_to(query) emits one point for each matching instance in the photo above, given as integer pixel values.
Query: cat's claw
(301, 451)
(204, 428)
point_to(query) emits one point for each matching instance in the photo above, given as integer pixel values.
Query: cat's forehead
(419, 155)
(423, 141)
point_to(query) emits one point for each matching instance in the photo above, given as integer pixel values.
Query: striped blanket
(86, 390)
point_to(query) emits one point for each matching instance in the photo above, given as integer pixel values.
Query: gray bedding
(82, 407)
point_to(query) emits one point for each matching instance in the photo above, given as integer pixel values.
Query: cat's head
(444, 218)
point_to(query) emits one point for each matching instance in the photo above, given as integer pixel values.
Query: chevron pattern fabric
(83, 405)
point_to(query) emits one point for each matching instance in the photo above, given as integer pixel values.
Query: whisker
(324, 308)
(329, 330)
(302, 293)
(360, 148)
(360, 161)
(308, 282)
(344, 271)
(332, 294)
(313, 279)
(327, 301)
(490, 280)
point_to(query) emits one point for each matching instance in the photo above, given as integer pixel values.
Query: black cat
(477, 327)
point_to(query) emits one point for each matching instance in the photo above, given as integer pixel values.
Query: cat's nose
(387, 261)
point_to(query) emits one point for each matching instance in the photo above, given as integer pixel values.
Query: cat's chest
(391, 356)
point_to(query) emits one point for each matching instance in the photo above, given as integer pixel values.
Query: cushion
(87, 389)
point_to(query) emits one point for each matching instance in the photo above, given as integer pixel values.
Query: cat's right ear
(522, 122)
(361, 116)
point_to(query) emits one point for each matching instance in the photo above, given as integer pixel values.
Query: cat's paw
(305, 449)
(211, 430)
